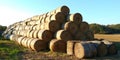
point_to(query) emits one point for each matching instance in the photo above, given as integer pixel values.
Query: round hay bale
(58, 45)
(71, 27)
(111, 47)
(63, 9)
(63, 35)
(24, 41)
(48, 19)
(83, 49)
(31, 34)
(89, 35)
(28, 33)
(51, 12)
(28, 42)
(80, 36)
(36, 17)
(35, 34)
(25, 33)
(38, 27)
(38, 45)
(21, 41)
(35, 26)
(13, 37)
(101, 48)
(42, 26)
(53, 26)
(32, 22)
(84, 26)
(45, 35)
(77, 18)
(59, 17)
(27, 27)
(70, 46)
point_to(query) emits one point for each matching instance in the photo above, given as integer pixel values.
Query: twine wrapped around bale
(58, 45)
(37, 17)
(19, 40)
(89, 35)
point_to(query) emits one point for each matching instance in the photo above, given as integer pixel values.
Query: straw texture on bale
(63, 9)
(38, 45)
(111, 47)
(71, 27)
(89, 35)
(63, 35)
(13, 37)
(83, 49)
(53, 26)
(77, 18)
(45, 35)
(101, 48)
(70, 46)
(84, 26)
(59, 17)
(80, 36)
(58, 45)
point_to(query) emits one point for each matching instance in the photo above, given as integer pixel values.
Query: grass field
(110, 37)
(11, 51)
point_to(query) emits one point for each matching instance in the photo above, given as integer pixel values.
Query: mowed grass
(9, 50)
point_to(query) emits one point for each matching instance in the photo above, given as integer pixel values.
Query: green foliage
(9, 50)
(102, 29)
(2, 28)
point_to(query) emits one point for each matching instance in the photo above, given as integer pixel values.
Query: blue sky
(93, 11)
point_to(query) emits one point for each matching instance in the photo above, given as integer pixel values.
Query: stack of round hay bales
(61, 32)
(111, 47)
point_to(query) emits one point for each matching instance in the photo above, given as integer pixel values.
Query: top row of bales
(59, 22)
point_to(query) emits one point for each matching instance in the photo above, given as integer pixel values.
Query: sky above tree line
(93, 11)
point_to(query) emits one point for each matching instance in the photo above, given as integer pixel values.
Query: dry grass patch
(110, 37)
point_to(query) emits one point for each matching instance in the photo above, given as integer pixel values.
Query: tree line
(105, 29)
(2, 29)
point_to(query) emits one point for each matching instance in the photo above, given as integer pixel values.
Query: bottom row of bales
(81, 49)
